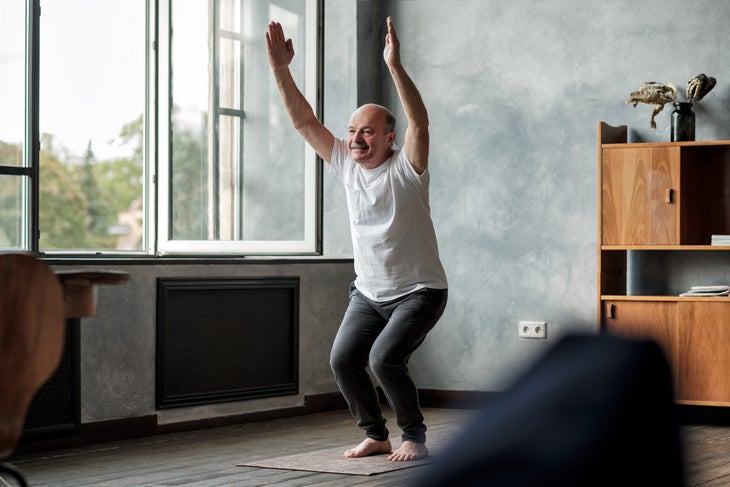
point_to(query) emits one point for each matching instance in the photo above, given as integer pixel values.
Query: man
(400, 290)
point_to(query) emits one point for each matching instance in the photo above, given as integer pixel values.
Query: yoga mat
(331, 460)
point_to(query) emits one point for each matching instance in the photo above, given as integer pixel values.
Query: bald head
(373, 111)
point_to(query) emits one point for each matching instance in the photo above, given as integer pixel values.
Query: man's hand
(281, 50)
(391, 53)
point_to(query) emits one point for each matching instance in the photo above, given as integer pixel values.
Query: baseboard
(217, 422)
(332, 401)
(320, 403)
(705, 415)
(69, 436)
(119, 429)
(141, 426)
(436, 398)
(49, 439)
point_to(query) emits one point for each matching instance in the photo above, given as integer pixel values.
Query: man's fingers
(276, 32)
(391, 37)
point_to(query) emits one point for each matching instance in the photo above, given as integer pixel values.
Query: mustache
(359, 146)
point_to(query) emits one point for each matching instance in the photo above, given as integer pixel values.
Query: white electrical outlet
(532, 329)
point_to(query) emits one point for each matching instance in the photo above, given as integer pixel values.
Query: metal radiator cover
(226, 339)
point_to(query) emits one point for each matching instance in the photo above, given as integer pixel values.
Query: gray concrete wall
(118, 345)
(514, 91)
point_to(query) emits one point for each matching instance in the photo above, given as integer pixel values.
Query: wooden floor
(209, 457)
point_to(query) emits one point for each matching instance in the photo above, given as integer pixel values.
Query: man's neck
(375, 164)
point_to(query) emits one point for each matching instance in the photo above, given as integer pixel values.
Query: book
(707, 291)
(720, 240)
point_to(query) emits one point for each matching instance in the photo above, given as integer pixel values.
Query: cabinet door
(703, 354)
(640, 196)
(643, 319)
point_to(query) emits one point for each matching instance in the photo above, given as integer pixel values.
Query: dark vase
(683, 122)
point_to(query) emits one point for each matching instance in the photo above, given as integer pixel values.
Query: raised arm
(281, 53)
(416, 136)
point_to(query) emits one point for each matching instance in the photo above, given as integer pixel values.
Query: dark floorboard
(208, 458)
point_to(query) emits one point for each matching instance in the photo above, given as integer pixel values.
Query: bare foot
(409, 451)
(369, 447)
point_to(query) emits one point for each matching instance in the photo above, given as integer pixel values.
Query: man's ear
(391, 137)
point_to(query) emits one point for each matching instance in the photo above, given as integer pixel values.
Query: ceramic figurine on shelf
(683, 118)
(653, 93)
(699, 86)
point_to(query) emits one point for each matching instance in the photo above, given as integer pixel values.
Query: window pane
(229, 53)
(13, 188)
(228, 173)
(244, 176)
(190, 178)
(12, 82)
(92, 99)
(12, 199)
(230, 73)
(274, 176)
(230, 15)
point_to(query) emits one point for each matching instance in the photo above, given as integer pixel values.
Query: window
(14, 171)
(239, 177)
(174, 144)
(91, 118)
(72, 91)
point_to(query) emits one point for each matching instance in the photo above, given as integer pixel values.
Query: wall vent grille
(226, 339)
(54, 410)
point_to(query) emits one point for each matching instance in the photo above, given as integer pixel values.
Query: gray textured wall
(514, 91)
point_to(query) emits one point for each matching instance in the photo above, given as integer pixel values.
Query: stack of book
(720, 240)
(707, 291)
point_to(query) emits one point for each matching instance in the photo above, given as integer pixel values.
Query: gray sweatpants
(383, 336)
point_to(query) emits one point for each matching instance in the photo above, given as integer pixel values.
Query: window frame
(311, 243)
(28, 171)
(157, 150)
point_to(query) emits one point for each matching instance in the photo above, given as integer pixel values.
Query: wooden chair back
(31, 338)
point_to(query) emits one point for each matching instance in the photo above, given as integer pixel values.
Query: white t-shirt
(393, 238)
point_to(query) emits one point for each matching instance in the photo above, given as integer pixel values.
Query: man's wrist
(280, 69)
(396, 68)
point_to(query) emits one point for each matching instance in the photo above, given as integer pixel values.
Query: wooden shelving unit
(665, 196)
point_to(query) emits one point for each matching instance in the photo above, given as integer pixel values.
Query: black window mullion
(214, 130)
(32, 123)
(16, 171)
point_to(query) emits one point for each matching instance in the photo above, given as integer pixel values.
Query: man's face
(367, 140)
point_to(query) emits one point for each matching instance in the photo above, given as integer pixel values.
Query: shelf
(671, 197)
(698, 143)
(621, 297)
(702, 403)
(665, 247)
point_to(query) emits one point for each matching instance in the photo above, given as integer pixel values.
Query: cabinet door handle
(668, 195)
(609, 310)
